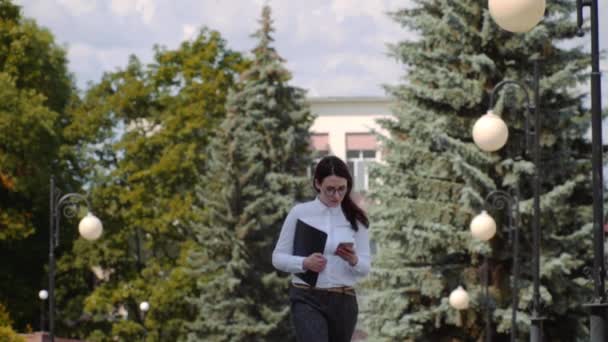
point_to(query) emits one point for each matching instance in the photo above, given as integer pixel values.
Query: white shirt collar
(322, 206)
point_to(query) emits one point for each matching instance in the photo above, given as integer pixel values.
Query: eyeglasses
(331, 191)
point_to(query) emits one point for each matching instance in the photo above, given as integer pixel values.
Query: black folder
(308, 240)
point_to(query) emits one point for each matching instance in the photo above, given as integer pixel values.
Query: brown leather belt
(347, 290)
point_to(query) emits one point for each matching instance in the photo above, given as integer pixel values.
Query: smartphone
(346, 244)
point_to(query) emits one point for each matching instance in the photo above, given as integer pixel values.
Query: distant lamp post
(459, 299)
(90, 228)
(42, 295)
(517, 15)
(144, 307)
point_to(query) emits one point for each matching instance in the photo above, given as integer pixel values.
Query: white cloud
(342, 85)
(145, 8)
(230, 16)
(371, 64)
(89, 61)
(79, 7)
(189, 31)
(343, 74)
(40, 9)
(319, 27)
(365, 72)
(121, 7)
(376, 9)
(335, 48)
(355, 8)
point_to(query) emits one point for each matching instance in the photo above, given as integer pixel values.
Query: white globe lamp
(459, 299)
(43, 294)
(490, 132)
(144, 306)
(483, 226)
(90, 227)
(517, 15)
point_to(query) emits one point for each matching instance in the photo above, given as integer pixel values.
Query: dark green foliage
(257, 164)
(36, 91)
(150, 126)
(435, 179)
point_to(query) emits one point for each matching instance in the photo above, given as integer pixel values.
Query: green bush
(7, 334)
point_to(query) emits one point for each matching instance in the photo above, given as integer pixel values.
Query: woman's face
(332, 190)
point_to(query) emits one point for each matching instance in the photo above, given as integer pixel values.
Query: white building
(343, 127)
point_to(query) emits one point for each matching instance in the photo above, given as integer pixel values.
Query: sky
(332, 47)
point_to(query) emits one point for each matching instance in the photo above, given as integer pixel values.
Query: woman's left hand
(347, 252)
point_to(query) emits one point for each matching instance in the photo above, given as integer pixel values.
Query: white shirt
(330, 220)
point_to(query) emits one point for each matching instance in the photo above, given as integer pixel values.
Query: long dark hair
(334, 166)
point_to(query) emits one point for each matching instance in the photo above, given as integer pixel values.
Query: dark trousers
(322, 316)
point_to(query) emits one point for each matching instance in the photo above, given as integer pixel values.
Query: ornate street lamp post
(521, 16)
(43, 295)
(490, 133)
(90, 228)
(483, 227)
(598, 307)
(144, 307)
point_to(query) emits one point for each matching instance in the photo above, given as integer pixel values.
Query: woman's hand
(315, 262)
(347, 252)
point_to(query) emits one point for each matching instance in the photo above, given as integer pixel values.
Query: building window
(319, 143)
(360, 152)
(358, 162)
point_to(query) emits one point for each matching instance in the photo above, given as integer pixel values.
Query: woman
(327, 310)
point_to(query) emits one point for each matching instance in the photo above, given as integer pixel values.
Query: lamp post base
(597, 321)
(536, 328)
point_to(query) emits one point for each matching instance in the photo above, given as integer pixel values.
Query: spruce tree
(434, 179)
(257, 171)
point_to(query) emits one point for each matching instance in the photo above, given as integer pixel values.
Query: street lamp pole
(599, 304)
(144, 307)
(499, 199)
(489, 305)
(508, 15)
(536, 329)
(90, 228)
(43, 295)
(483, 227)
(490, 134)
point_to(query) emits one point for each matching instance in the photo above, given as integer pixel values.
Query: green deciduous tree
(256, 172)
(36, 92)
(435, 179)
(151, 125)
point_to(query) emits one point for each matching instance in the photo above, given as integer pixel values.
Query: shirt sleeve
(282, 256)
(362, 248)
